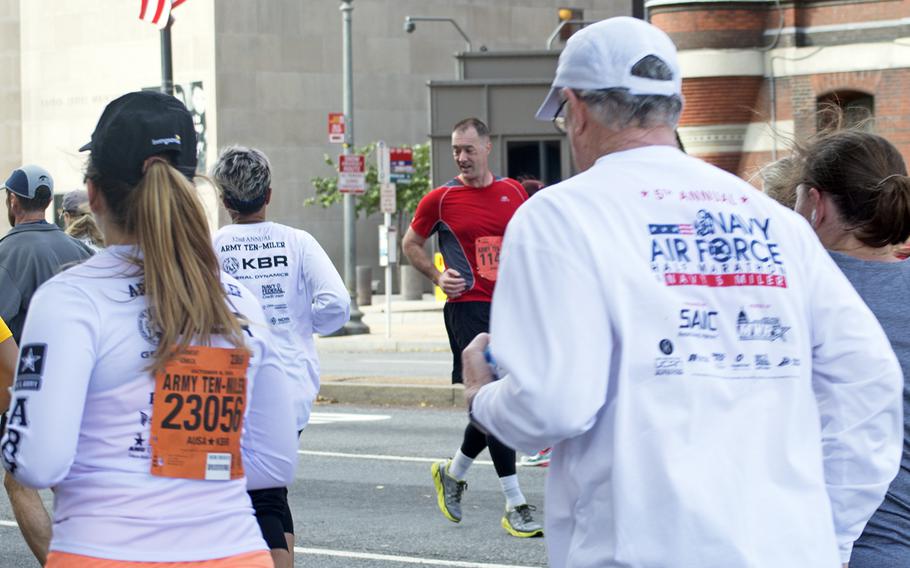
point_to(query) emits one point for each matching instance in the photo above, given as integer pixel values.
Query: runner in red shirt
(469, 214)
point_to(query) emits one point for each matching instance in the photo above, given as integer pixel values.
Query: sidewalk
(416, 326)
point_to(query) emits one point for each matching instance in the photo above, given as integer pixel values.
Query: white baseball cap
(602, 55)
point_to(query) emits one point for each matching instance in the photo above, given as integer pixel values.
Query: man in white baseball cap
(715, 392)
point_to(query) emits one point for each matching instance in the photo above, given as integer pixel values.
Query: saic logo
(147, 328)
(703, 320)
(230, 265)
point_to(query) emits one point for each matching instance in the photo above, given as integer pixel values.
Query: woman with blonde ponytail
(852, 187)
(153, 401)
(78, 221)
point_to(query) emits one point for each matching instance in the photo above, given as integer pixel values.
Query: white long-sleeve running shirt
(300, 291)
(80, 423)
(716, 393)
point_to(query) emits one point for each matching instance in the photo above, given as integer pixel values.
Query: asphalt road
(364, 497)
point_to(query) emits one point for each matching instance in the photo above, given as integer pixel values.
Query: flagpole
(167, 63)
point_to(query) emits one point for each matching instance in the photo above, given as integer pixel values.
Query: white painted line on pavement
(334, 417)
(377, 457)
(369, 556)
(405, 362)
(402, 559)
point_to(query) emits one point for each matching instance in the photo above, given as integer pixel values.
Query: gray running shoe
(519, 522)
(448, 490)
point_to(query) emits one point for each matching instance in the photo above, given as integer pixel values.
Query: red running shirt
(470, 222)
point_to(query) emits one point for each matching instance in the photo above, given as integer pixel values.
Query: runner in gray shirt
(855, 192)
(33, 250)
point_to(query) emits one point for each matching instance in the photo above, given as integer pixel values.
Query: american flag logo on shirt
(682, 229)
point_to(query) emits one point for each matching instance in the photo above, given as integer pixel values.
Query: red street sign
(401, 164)
(351, 174)
(336, 128)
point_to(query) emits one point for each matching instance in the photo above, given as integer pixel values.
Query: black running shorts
(464, 321)
(273, 513)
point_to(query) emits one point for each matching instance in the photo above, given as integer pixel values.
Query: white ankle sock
(512, 491)
(459, 466)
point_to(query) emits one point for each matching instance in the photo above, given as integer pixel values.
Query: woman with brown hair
(853, 188)
(154, 399)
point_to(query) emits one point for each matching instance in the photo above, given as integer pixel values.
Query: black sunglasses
(559, 121)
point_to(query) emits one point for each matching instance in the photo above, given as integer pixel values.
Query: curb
(394, 395)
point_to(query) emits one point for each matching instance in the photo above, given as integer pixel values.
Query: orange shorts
(260, 559)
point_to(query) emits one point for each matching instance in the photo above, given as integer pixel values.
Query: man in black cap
(30, 253)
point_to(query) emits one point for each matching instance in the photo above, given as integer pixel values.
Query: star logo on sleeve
(31, 366)
(29, 361)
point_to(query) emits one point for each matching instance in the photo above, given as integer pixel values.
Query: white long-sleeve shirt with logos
(715, 391)
(300, 291)
(80, 424)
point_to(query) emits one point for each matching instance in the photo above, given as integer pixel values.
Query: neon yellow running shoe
(448, 490)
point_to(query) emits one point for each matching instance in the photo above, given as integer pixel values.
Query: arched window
(855, 108)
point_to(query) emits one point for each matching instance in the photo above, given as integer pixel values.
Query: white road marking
(334, 417)
(370, 556)
(402, 559)
(404, 362)
(378, 457)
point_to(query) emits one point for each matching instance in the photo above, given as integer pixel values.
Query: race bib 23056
(197, 414)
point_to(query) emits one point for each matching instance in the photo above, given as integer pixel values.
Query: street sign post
(401, 165)
(388, 245)
(336, 128)
(388, 235)
(388, 202)
(351, 174)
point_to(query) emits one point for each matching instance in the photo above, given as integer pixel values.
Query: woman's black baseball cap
(137, 126)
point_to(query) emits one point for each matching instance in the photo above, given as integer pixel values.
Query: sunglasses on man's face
(559, 121)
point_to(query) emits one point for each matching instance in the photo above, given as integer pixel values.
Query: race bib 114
(487, 255)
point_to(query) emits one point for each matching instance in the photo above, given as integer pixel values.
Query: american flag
(157, 12)
(671, 229)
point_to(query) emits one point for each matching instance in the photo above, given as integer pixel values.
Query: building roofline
(489, 82)
(659, 3)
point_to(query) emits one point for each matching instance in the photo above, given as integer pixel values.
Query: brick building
(756, 72)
